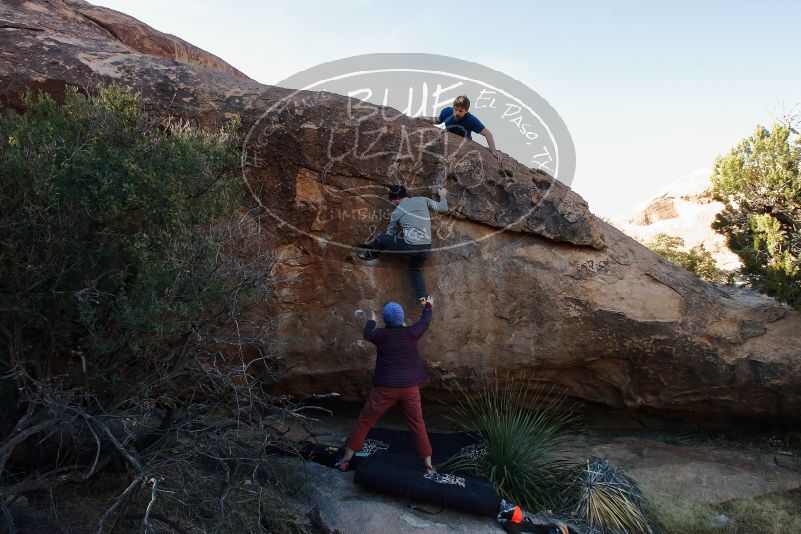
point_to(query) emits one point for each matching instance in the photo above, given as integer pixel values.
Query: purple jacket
(398, 364)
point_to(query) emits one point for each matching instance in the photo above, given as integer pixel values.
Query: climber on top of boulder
(458, 120)
(411, 213)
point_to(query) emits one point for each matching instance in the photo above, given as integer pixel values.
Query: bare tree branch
(117, 503)
(21, 435)
(146, 519)
(7, 518)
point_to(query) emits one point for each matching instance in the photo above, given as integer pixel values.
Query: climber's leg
(416, 262)
(390, 242)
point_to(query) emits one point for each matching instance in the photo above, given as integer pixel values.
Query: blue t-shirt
(464, 127)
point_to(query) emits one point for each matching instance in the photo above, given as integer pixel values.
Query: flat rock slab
(709, 474)
(685, 469)
(349, 508)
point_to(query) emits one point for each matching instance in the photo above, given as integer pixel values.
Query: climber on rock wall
(399, 371)
(458, 120)
(411, 213)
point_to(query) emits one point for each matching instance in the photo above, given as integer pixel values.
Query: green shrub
(697, 260)
(108, 252)
(759, 182)
(523, 435)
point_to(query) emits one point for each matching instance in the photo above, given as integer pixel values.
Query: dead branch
(117, 502)
(158, 517)
(146, 519)
(19, 436)
(48, 481)
(7, 517)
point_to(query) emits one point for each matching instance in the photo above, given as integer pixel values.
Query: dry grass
(778, 513)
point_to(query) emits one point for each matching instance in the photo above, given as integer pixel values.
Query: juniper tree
(759, 184)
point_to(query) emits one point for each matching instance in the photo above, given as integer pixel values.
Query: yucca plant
(607, 500)
(521, 436)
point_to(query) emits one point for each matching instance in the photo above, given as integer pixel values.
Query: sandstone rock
(142, 38)
(527, 280)
(659, 209)
(683, 468)
(349, 508)
(687, 210)
(301, 132)
(693, 473)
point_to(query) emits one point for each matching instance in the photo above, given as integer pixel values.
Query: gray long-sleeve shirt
(412, 214)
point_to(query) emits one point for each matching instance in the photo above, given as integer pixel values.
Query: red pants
(380, 400)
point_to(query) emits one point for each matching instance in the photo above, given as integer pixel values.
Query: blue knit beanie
(393, 314)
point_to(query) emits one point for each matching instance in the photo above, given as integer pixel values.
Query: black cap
(397, 191)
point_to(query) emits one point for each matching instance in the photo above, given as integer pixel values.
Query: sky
(651, 92)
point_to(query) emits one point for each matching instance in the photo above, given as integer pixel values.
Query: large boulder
(527, 280)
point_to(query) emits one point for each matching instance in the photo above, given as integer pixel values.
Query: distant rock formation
(683, 209)
(530, 280)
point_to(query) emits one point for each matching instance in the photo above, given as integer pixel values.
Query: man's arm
(419, 328)
(393, 221)
(491, 142)
(438, 119)
(442, 205)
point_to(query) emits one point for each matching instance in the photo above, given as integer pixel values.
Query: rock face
(692, 472)
(146, 40)
(348, 508)
(526, 278)
(660, 209)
